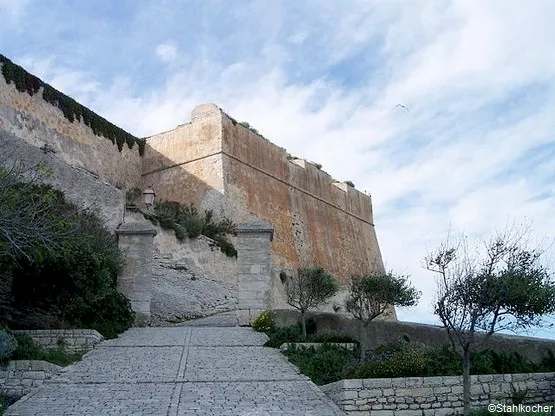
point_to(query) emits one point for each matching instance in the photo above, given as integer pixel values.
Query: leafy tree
(479, 292)
(311, 287)
(372, 295)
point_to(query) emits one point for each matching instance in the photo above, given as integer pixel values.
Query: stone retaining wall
(73, 339)
(435, 396)
(19, 377)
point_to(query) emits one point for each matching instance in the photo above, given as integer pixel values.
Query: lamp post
(148, 197)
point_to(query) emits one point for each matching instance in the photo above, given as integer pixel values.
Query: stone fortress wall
(222, 165)
(218, 164)
(90, 169)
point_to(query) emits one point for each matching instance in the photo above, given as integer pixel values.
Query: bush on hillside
(264, 322)
(73, 286)
(8, 345)
(186, 221)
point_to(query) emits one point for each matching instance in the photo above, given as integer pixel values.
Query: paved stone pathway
(180, 371)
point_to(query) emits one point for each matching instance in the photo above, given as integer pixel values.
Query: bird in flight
(402, 106)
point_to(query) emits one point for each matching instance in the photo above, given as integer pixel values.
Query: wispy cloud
(167, 51)
(323, 79)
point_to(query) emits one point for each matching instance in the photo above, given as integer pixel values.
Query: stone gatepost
(136, 242)
(254, 269)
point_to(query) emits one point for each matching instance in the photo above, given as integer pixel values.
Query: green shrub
(323, 365)
(186, 222)
(75, 285)
(282, 335)
(406, 359)
(397, 360)
(8, 344)
(503, 363)
(548, 362)
(330, 337)
(264, 322)
(27, 349)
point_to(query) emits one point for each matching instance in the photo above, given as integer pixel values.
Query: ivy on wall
(26, 82)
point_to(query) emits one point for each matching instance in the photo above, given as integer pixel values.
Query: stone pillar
(254, 269)
(136, 242)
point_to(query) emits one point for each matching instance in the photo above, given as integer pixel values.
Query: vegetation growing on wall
(26, 82)
(27, 349)
(248, 126)
(72, 286)
(187, 222)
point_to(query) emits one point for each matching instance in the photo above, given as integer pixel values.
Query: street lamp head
(148, 197)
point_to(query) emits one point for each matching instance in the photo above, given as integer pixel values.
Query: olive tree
(311, 287)
(372, 295)
(497, 285)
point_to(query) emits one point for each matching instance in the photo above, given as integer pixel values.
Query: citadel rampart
(212, 161)
(316, 220)
(87, 167)
(39, 123)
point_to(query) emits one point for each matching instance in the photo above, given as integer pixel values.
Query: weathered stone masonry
(223, 165)
(435, 396)
(218, 164)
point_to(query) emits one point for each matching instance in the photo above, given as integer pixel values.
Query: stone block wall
(218, 163)
(80, 186)
(43, 125)
(73, 339)
(317, 221)
(435, 396)
(193, 278)
(19, 377)
(135, 282)
(190, 279)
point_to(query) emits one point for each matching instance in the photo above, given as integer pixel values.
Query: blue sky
(474, 151)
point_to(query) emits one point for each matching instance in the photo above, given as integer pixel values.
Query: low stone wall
(435, 396)
(381, 332)
(19, 377)
(72, 339)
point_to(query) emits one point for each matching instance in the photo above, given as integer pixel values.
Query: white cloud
(167, 52)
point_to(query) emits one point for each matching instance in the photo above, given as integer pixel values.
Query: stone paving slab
(109, 399)
(138, 364)
(227, 319)
(292, 398)
(149, 337)
(227, 337)
(179, 371)
(237, 363)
